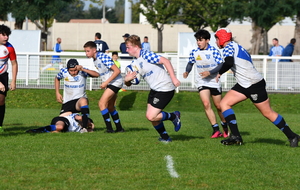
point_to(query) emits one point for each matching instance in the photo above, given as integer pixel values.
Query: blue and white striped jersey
(152, 71)
(206, 60)
(74, 87)
(103, 63)
(243, 68)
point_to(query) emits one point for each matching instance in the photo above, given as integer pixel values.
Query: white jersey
(152, 72)
(103, 63)
(74, 125)
(206, 60)
(243, 69)
(74, 87)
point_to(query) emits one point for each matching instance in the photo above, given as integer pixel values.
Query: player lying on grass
(67, 122)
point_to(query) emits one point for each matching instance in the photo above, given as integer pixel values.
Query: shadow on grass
(136, 129)
(127, 101)
(269, 141)
(14, 131)
(244, 133)
(184, 137)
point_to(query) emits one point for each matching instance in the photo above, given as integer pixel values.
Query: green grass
(135, 159)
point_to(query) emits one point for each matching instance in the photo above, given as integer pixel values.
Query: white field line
(170, 166)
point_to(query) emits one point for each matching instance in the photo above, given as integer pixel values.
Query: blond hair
(134, 40)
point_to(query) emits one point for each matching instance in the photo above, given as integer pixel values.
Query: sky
(108, 3)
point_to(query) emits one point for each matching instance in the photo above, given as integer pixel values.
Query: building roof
(85, 21)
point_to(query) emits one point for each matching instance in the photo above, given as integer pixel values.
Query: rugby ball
(130, 69)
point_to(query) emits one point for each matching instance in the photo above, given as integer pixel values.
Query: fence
(36, 71)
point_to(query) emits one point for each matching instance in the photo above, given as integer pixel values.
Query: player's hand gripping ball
(130, 69)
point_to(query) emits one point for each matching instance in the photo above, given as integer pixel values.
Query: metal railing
(36, 70)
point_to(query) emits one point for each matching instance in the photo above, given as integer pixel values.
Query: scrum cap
(224, 35)
(72, 63)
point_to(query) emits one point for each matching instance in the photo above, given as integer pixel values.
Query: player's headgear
(224, 35)
(72, 63)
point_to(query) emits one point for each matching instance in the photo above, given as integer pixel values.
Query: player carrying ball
(162, 84)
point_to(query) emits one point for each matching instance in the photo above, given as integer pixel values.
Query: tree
(4, 9)
(119, 7)
(159, 13)
(135, 13)
(263, 14)
(72, 11)
(18, 9)
(43, 12)
(296, 16)
(200, 14)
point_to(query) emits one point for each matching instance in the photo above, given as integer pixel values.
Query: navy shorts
(63, 119)
(69, 106)
(160, 99)
(257, 93)
(213, 91)
(114, 88)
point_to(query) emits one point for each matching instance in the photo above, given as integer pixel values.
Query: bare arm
(89, 72)
(59, 97)
(170, 70)
(116, 72)
(130, 76)
(14, 65)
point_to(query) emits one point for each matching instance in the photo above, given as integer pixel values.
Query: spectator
(115, 58)
(123, 45)
(146, 44)
(276, 49)
(101, 45)
(55, 58)
(288, 50)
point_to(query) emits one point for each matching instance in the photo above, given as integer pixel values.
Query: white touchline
(170, 166)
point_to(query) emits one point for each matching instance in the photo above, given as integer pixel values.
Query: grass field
(135, 159)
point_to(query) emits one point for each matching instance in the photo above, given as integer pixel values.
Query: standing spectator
(276, 49)
(55, 58)
(111, 83)
(158, 72)
(207, 60)
(101, 45)
(250, 84)
(115, 58)
(123, 45)
(146, 44)
(7, 52)
(74, 98)
(288, 50)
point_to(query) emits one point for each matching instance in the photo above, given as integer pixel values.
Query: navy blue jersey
(101, 46)
(123, 47)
